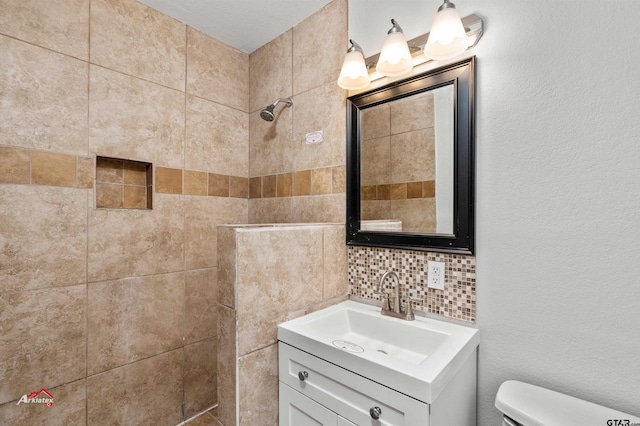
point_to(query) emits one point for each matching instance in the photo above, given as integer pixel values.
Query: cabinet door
(298, 410)
(344, 422)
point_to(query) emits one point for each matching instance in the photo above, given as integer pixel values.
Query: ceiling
(243, 24)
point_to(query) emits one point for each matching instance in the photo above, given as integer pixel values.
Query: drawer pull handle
(375, 413)
(302, 375)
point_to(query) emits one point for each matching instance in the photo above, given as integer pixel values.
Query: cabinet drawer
(348, 394)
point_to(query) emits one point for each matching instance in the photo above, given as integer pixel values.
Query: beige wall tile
(255, 187)
(339, 179)
(218, 185)
(53, 169)
(284, 185)
(195, 183)
(43, 242)
(414, 189)
(325, 30)
(271, 71)
(270, 143)
(269, 186)
(238, 187)
(376, 122)
(125, 243)
(200, 376)
(383, 192)
(321, 180)
(109, 196)
(201, 297)
(109, 170)
(168, 180)
(375, 210)
(429, 189)
(375, 159)
(14, 165)
(133, 318)
(135, 173)
(258, 385)
(145, 392)
(369, 192)
(398, 191)
(135, 39)
(417, 215)
(135, 197)
(217, 138)
(413, 113)
(413, 156)
(216, 71)
(227, 266)
(319, 109)
(43, 339)
(60, 25)
(226, 412)
(71, 412)
(320, 208)
(202, 217)
(271, 210)
(135, 119)
(269, 275)
(302, 182)
(335, 262)
(44, 99)
(85, 172)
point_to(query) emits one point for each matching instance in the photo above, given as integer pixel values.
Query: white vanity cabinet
(316, 392)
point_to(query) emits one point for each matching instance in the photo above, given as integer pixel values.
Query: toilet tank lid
(535, 406)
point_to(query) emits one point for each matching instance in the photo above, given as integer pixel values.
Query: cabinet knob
(375, 413)
(302, 375)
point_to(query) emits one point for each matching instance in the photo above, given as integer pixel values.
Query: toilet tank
(531, 405)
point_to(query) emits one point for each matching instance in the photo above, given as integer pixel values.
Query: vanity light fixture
(354, 74)
(447, 38)
(395, 57)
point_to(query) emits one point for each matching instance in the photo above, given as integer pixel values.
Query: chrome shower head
(267, 112)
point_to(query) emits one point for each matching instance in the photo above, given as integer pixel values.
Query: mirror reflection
(406, 149)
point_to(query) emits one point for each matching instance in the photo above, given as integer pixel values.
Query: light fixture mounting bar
(472, 24)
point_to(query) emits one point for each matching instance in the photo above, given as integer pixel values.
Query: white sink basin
(417, 358)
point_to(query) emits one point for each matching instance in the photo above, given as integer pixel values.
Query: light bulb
(395, 57)
(447, 38)
(354, 74)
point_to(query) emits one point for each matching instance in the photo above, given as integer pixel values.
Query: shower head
(267, 112)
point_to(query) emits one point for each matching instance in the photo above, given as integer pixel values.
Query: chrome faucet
(397, 308)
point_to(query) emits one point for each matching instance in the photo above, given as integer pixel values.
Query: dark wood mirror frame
(462, 76)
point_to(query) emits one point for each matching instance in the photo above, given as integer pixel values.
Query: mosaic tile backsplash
(456, 301)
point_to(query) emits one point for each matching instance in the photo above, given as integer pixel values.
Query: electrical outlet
(435, 275)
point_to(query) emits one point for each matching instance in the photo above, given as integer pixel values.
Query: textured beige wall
(113, 311)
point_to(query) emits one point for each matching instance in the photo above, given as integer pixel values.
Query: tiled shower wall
(302, 183)
(113, 311)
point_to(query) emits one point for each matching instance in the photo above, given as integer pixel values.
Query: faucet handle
(410, 314)
(386, 305)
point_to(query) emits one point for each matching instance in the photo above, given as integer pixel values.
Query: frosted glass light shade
(354, 74)
(447, 37)
(395, 58)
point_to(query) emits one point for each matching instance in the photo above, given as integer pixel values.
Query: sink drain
(381, 351)
(348, 346)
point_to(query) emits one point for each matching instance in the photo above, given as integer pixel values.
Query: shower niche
(123, 184)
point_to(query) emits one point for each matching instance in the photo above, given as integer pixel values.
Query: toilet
(523, 404)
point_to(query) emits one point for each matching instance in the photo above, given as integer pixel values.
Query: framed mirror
(410, 163)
